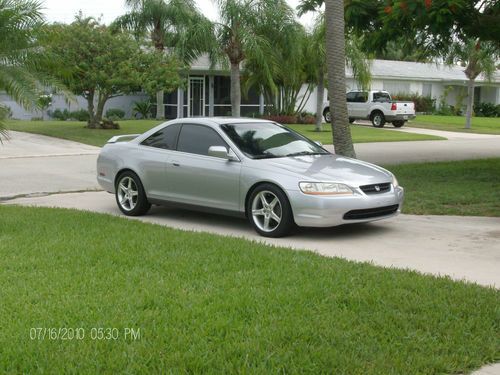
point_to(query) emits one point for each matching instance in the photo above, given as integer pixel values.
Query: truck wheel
(327, 115)
(378, 119)
(351, 120)
(398, 124)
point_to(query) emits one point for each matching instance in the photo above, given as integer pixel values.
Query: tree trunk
(160, 108)
(335, 49)
(100, 108)
(235, 90)
(319, 101)
(470, 103)
(92, 123)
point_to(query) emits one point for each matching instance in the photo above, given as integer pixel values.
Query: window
(361, 97)
(427, 90)
(381, 97)
(397, 87)
(164, 138)
(351, 97)
(264, 140)
(196, 139)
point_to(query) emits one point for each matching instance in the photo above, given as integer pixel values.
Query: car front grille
(369, 213)
(376, 188)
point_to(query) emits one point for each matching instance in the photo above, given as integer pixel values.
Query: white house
(207, 90)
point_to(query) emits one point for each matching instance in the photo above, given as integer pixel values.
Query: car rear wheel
(378, 119)
(269, 211)
(398, 123)
(130, 196)
(327, 115)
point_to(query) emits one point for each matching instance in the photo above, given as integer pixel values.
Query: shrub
(142, 108)
(58, 114)
(487, 110)
(80, 115)
(306, 118)
(115, 114)
(423, 104)
(282, 119)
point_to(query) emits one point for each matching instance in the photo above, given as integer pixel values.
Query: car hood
(331, 168)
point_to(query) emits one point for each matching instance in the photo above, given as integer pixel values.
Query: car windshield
(263, 140)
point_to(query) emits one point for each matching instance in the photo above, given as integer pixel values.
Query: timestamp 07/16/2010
(81, 333)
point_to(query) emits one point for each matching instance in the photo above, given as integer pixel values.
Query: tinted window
(381, 97)
(196, 139)
(351, 96)
(361, 97)
(164, 138)
(268, 140)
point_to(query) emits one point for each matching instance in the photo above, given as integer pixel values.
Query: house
(207, 92)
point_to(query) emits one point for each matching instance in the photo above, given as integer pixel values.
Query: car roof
(221, 120)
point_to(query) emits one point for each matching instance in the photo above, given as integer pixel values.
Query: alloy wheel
(128, 193)
(266, 211)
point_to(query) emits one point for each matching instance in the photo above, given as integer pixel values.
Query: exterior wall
(125, 103)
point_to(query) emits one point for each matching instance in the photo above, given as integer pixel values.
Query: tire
(277, 204)
(351, 120)
(327, 115)
(128, 186)
(398, 123)
(378, 119)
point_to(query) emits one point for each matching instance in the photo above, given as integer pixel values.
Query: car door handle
(176, 164)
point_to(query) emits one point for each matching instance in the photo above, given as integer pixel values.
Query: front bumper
(323, 211)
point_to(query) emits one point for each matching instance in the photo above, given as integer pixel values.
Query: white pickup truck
(376, 106)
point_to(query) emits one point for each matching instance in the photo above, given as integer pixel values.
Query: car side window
(165, 138)
(196, 139)
(361, 97)
(381, 97)
(351, 97)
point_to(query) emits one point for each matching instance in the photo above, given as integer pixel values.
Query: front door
(196, 96)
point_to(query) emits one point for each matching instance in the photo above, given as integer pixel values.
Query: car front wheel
(327, 115)
(130, 196)
(269, 211)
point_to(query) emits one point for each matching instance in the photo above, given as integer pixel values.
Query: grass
(362, 134)
(486, 125)
(75, 131)
(211, 304)
(470, 187)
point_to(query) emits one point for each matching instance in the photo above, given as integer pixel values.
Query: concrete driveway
(32, 164)
(458, 247)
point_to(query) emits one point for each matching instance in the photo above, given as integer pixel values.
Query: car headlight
(325, 188)
(395, 181)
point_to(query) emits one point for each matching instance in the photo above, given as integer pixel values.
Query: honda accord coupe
(252, 168)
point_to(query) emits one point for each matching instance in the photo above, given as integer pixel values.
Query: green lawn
(470, 187)
(211, 304)
(361, 134)
(487, 125)
(76, 131)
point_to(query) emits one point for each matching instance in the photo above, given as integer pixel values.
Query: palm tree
(356, 59)
(239, 35)
(173, 26)
(335, 52)
(478, 57)
(22, 64)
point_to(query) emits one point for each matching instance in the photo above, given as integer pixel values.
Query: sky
(65, 10)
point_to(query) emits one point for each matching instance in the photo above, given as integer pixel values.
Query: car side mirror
(222, 152)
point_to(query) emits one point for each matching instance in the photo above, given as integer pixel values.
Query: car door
(152, 159)
(196, 178)
(350, 98)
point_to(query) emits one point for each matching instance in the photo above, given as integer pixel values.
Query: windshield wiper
(302, 153)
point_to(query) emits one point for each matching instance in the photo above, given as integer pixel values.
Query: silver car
(246, 167)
